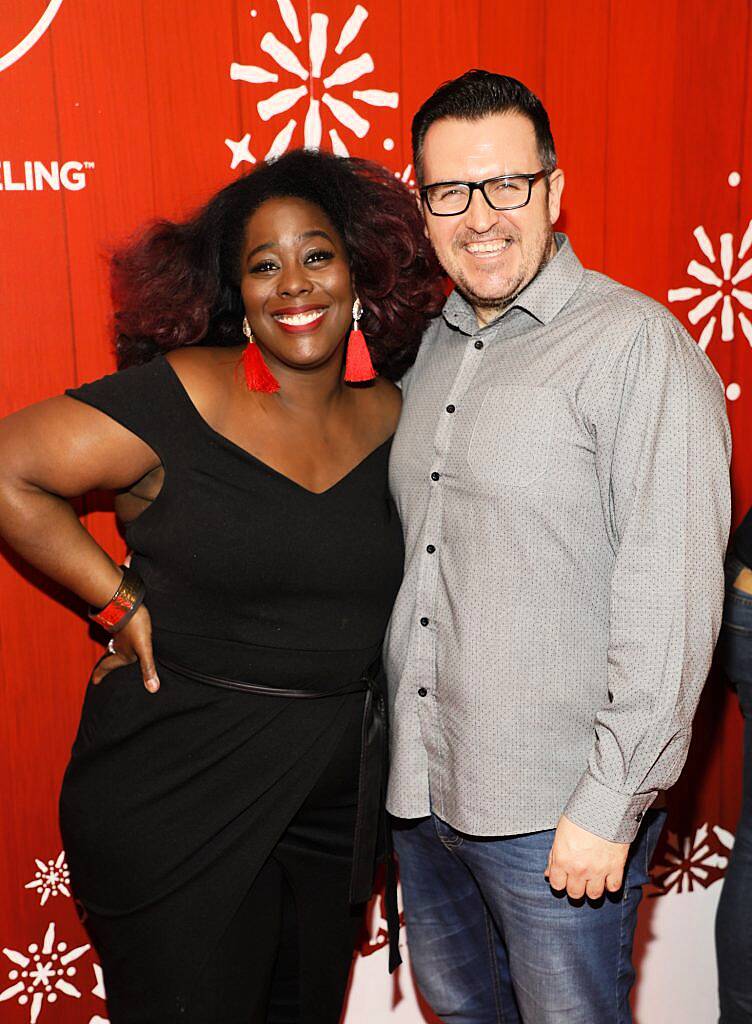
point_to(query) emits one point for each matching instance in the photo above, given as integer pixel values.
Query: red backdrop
(650, 106)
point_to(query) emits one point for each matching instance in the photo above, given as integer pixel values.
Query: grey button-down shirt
(562, 477)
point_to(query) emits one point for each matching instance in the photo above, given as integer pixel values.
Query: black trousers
(287, 950)
(283, 945)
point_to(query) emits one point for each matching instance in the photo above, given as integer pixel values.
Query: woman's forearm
(49, 453)
(44, 529)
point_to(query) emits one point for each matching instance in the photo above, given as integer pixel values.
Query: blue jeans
(733, 927)
(491, 943)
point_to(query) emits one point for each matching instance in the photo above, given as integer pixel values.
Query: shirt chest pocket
(511, 441)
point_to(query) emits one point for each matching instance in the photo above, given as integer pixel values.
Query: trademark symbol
(89, 165)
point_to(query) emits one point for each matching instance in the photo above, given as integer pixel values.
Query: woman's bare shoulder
(206, 372)
(386, 399)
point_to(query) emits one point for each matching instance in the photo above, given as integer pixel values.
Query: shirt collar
(542, 299)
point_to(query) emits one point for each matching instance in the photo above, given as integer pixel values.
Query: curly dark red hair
(178, 283)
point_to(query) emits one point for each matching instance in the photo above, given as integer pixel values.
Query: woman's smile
(300, 319)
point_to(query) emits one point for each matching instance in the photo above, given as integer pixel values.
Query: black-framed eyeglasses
(508, 192)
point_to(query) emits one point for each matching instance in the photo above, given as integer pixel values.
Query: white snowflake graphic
(41, 974)
(690, 861)
(316, 84)
(719, 286)
(99, 991)
(52, 878)
(406, 177)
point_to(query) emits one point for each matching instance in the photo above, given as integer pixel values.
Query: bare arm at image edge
(51, 452)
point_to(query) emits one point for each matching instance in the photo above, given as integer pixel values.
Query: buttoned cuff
(606, 813)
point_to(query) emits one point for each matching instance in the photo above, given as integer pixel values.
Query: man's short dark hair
(478, 94)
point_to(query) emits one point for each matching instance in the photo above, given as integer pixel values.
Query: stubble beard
(527, 273)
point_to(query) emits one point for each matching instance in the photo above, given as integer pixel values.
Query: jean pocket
(737, 608)
(447, 835)
(511, 439)
(737, 611)
(735, 643)
(735, 650)
(734, 629)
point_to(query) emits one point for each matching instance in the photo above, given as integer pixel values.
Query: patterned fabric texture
(562, 477)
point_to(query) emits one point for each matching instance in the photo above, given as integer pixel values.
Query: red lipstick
(312, 325)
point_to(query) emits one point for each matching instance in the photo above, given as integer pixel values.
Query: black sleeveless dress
(173, 802)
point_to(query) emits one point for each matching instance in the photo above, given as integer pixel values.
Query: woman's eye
(263, 266)
(319, 256)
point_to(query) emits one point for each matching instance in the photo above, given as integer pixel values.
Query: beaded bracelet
(123, 604)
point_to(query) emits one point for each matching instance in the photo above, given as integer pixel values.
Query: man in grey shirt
(561, 469)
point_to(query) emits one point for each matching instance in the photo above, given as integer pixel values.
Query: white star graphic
(240, 151)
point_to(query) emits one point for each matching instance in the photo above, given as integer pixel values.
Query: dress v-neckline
(244, 453)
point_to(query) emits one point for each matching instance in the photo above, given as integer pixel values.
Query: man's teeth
(299, 319)
(498, 245)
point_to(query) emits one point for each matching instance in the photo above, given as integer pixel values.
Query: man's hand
(584, 864)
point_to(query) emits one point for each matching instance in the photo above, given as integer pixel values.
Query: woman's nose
(293, 281)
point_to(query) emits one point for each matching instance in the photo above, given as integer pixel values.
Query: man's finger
(594, 888)
(613, 881)
(576, 887)
(557, 878)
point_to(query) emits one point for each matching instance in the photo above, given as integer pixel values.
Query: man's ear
(422, 208)
(555, 189)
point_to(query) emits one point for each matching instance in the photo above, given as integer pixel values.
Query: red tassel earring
(258, 376)
(358, 365)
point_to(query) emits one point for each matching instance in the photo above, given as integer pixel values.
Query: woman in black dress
(220, 807)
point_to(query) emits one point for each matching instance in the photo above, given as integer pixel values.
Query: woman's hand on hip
(132, 643)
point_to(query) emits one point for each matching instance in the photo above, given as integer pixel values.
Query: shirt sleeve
(662, 457)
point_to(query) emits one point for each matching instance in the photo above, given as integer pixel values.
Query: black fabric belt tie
(371, 817)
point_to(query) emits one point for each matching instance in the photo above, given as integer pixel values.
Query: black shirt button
(479, 343)
(424, 621)
(435, 475)
(450, 408)
(638, 817)
(422, 692)
(430, 549)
